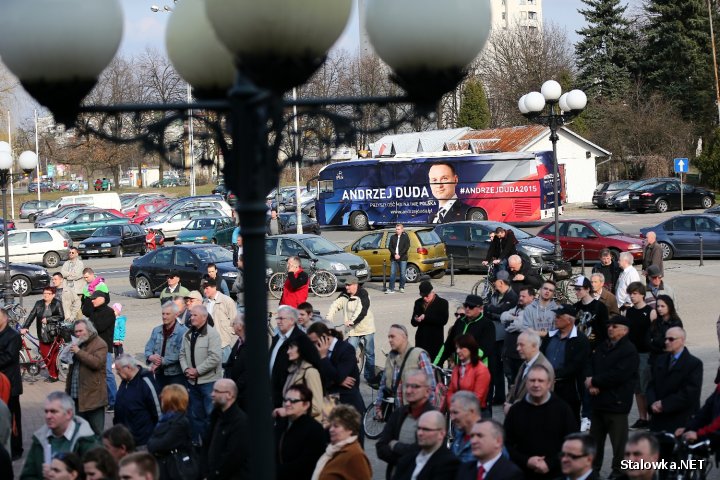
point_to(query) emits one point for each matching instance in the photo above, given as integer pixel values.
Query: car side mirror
(591, 236)
(303, 255)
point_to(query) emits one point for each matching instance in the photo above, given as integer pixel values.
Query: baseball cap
(566, 309)
(195, 295)
(582, 282)
(473, 301)
(97, 294)
(653, 271)
(425, 288)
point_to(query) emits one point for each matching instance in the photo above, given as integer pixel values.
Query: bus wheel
(359, 221)
(476, 215)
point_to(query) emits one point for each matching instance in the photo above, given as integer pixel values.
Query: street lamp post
(27, 161)
(561, 108)
(240, 59)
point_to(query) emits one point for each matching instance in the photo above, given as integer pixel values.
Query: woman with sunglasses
(64, 466)
(304, 369)
(470, 374)
(300, 439)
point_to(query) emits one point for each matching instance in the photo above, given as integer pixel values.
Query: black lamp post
(241, 57)
(561, 108)
(27, 162)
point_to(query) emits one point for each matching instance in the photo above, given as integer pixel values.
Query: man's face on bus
(442, 182)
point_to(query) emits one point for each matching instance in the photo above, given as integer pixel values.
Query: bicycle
(485, 288)
(373, 425)
(691, 461)
(443, 377)
(323, 283)
(360, 355)
(32, 361)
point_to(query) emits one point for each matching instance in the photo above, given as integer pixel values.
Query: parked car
(44, 187)
(312, 247)
(132, 208)
(68, 186)
(619, 201)
(664, 196)
(468, 243)
(165, 182)
(176, 221)
(26, 278)
(680, 236)
(607, 189)
(146, 209)
(217, 230)
(148, 274)
(58, 216)
(288, 223)
(34, 206)
(593, 235)
(10, 225)
(44, 246)
(113, 241)
(427, 254)
(187, 203)
(86, 222)
(220, 189)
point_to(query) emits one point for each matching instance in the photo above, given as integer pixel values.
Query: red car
(144, 210)
(594, 235)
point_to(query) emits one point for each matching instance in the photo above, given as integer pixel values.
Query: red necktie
(481, 473)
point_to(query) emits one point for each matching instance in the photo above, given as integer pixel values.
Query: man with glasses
(399, 435)
(72, 272)
(576, 457)
(539, 316)
(173, 289)
(399, 245)
(430, 459)
(287, 332)
(536, 427)
(430, 314)
(611, 384)
(473, 323)
(138, 404)
(227, 447)
(487, 439)
(673, 394)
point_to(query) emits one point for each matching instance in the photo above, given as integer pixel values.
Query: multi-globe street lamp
(561, 108)
(27, 163)
(241, 57)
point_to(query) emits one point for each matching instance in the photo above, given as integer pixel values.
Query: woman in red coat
(470, 373)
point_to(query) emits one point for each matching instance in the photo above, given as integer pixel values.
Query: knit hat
(117, 307)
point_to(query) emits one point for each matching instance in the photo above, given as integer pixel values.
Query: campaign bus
(437, 188)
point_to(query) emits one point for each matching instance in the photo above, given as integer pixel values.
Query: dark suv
(664, 196)
(606, 190)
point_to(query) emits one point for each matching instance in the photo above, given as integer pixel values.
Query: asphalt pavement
(696, 290)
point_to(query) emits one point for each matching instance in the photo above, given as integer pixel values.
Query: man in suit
(487, 438)
(431, 460)
(576, 457)
(673, 394)
(443, 181)
(430, 314)
(398, 246)
(528, 346)
(286, 319)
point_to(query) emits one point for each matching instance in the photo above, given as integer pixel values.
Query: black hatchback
(664, 196)
(113, 241)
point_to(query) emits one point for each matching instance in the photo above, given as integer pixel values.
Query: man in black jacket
(103, 317)
(487, 438)
(673, 395)
(10, 342)
(609, 268)
(430, 314)
(236, 366)
(522, 274)
(568, 350)
(436, 462)
(614, 368)
(287, 331)
(138, 406)
(398, 246)
(502, 300)
(226, 455)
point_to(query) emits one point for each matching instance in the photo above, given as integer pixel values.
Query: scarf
(330, 452)
(91, 286)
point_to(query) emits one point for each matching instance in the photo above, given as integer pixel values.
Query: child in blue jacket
(119, 334)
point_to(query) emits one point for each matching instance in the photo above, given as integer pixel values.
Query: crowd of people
(563, 375)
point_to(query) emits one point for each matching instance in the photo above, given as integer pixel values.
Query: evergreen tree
(709, 162)
(474, 109)
(678, 56)
(604, 53)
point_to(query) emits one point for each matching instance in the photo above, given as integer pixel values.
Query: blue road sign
(682, 165)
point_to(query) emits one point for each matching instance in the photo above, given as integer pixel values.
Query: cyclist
(49, 314)
(705, 424)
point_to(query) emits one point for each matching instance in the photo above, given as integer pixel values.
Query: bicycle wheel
(360, 356)
(276, 284)
(564, 291)
(483, 289)
(323, 283)
(372, 426)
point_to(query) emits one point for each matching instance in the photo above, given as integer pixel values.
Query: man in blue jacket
(137, 406)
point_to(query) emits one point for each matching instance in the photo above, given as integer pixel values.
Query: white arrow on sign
(681, 164)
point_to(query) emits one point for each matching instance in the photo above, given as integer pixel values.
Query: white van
(97, 200)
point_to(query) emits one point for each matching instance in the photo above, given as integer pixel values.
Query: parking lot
(695, 287)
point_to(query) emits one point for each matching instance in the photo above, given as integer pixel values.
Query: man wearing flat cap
(430, 314)
(473, 323)
(173, 289)
(614, 370)
(568, 350)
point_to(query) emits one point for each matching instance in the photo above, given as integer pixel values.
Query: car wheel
(120, 252)
(214, 241)
(667, 251)
(412, 273)
(476, 215)
(662, 206)
(143, 287)
(143, 249)
(707, 202)
(51, 259)
(21, 285)
(359, 221)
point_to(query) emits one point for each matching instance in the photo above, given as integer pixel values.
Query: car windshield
(519, 234)
(202, 224)
(213, 254)
(108, 231)
(127, 201)
(320, 246)
(605, 229)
